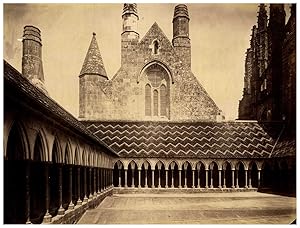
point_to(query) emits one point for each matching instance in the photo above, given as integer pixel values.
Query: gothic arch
(161, 64)
(57, 155)
(43, 150)
(19, 129)
(68, 158)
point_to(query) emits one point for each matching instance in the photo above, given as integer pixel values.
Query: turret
(262, 22)
(91, 77)
(32, 65)
(181, 40)
(130, 35)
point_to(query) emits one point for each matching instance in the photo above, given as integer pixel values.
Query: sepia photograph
(149, 113)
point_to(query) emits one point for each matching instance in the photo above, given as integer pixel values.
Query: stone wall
(123, 97)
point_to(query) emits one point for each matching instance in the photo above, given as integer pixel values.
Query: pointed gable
(155, 32)
(93, 63)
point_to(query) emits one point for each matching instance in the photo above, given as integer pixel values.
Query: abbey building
(154, 82)
(151, 127)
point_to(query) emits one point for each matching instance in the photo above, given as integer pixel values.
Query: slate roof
(23, 91)
(93, 63)
(188, 139)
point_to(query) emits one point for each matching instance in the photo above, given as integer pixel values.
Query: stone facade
(124, 96)
(270, 68)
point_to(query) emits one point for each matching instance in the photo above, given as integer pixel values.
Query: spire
(93, 63)
(262, 17)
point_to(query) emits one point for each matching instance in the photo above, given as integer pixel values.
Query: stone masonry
(123, 96)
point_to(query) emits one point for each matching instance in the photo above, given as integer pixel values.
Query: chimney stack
(32, 65)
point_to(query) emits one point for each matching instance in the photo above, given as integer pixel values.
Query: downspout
(277, 140)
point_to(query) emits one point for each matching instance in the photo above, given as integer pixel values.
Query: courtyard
(193, 208)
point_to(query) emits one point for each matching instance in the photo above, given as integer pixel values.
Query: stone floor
(197, 208)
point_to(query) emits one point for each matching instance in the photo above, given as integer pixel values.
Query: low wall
(73, 216)
(179, 190)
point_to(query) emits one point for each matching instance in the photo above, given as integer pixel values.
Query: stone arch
(90, 158)
(185, 163)
(240, 168)
(212, 163)
(68, 158)
(238, 163)
(77, 157)
(42, 154)
(160, 63)
(15, 169)
(18, 130)
(225, 164)
(57, 155)
(198, 164)
(84, 158)
(119, 163)
(176, 162)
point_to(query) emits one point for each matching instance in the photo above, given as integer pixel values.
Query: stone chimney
(32, 65)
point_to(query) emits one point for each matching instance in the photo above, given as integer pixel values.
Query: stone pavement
(197, 208)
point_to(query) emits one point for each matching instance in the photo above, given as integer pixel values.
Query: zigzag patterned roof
(186, 139)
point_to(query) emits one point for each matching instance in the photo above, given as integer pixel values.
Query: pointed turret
(93, 63)
(91, 81)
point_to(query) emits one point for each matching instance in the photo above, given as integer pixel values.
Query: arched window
(157, 91)
(148, 100)
(163, 100)
(155, 103)
(155, 47)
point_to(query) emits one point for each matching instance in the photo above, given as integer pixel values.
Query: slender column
(132, 178)
(246, 178)
(159, 186)
(139, 185)
(111, 177)
(185, 180)
(193, 178)
(79, 202)
(61, 210)
(153, 186)
(211, 179)
(258, 178)
(95, 182)
(179, 185)
(206, 178)
(125, 179)
(101, 180)
(237, 178)
(47, 217)
(71, 204)
(119, 178)
(146, 178)
(90, 183)
(198, 177)
(104, 178)
(98, 180)
(166, 179)
(85, 199)
(27, 202)
(224, 178)
(250, 181)
(232, 174)
(172, 184)
(220, 175)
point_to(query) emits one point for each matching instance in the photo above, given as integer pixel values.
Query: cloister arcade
(202, 173)
(43, 184)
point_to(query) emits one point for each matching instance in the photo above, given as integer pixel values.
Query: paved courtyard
(197, 208)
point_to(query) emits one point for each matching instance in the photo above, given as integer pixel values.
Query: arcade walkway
(205, 208)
